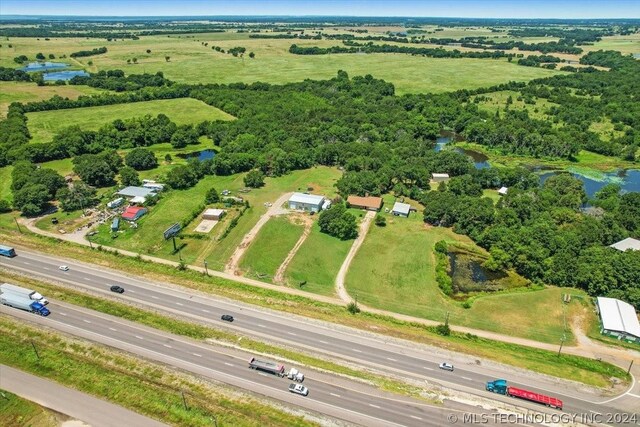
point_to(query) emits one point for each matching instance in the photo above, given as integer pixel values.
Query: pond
(468, 275)
(628, 179)
(200, 155)
(43, 66)
(480, 161)
(63, 75)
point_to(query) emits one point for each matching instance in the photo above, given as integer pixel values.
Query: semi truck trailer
(23, 303)
(501, 387)
(28, 293)
(7, 251)
(266, 366)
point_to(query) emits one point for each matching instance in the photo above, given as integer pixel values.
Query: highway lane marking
(139, 337)
(179, 303)
(336, 395)
(87, 278)
(291, 333)
(428, 369)
(27, 263)
(228, 364)
(87, 321)
(113, 329)
(633, 395)
(374, 406)
(393, 360)
(466, 378)
(167, 345)
(323, 342)
(415, 418)
(62, 314)
(44, 268)
(132, 291)
(154, 297)
(262, 326)
(206, 311)
(356, 350)
(197, 355)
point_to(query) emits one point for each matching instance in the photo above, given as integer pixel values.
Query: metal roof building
(619, 319)
(135, 192)
(306, 202)
(628, 243)
(401, 209)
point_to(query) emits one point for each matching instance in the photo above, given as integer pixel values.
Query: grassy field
(498, 101)
(625, 44)
(192, 62)
(44, 125)
(176, 205)
(317, 262)
(270, 247)
(5, 183)
(29, 92)
(19, 412)
(395, 270)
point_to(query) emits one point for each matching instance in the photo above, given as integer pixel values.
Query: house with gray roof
(618, 319)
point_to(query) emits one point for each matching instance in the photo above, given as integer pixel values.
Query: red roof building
(133, 213)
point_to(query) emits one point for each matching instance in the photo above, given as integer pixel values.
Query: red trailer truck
(501, 387)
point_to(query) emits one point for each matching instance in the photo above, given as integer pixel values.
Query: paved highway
(403, 358)
(329, 395)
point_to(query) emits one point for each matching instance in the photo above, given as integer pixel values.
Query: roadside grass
(43, 125)
(270, 247)
(394, 270)
(29, 92)
(133, 383)
(192, 62)
(201, 332)
(598, 375)
(5, 183)
(585, 160)
(317, 262)
(19, 412)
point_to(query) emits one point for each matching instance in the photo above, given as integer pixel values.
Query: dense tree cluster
(92, 52)
(76, 196)
(116, 80)
(98, 170)
(33, 187)
(338, 222)
(11, 74)
(141, 159)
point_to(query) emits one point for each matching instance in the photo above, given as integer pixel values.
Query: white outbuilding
(618, 319)
(213, 214)
(503, 191)
(401, 209)
(628, 243)
(306, 202)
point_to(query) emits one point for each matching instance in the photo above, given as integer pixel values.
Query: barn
(618, 319)
(133, 213)
(306, 202)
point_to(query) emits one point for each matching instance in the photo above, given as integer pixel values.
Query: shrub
(443, 329)
(353, 308)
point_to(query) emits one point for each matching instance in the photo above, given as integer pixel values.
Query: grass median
(574, 368)
(141, 386)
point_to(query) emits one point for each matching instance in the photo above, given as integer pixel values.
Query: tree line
(92, 52)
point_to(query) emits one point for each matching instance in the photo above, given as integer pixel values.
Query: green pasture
(29, 92)
(395, 270)
(5, 183)
(43, 125)
(498, 101)
(317, 262)
(628, 44)
(192, 62)
(270, 247)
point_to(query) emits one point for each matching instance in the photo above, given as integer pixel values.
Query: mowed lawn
(395, 270)
(29, 92)
(5, 183)
(193, 62)
(44, 125)
(270, 247)
(317, 262)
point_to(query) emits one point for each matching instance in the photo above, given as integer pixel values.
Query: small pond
(63, 75)
(44, 66)
(468, 275)
(628, 179)
(480, 161)
(200, 155)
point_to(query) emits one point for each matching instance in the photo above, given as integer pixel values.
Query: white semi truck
(23, 303)
(28, 293)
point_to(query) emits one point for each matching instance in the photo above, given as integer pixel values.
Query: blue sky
(429, 8)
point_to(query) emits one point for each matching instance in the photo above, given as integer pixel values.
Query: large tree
(141, 159)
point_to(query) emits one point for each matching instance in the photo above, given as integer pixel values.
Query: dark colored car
(227, 318)
(118, 289)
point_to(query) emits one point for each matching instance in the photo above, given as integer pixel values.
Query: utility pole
(446, 319)
(90, 244)
(206, 270)
(561, 342)
(184, 401)
(17, 224)
(36, 350)
(630, 365)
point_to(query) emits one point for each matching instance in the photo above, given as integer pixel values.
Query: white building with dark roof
(628, 243)
(618, 319)
(306, 202)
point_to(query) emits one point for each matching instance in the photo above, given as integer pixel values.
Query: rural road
(382, 353)
(330, 395)
(344, 268)
(276, 209)
(81, 406)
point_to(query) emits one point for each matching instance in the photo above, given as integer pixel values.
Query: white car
(446, 366)
(64, 268)
(299, 389)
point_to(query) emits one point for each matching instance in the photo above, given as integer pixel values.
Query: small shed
(625, 244)
(503, 191)
(306, 202)
(213, 214)
(155, 186)
(439, 177)
(115, 203)
(138, 200)
(618, 319)
(368, 203)
(133, 213)
(401, 209)
(115, 225)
